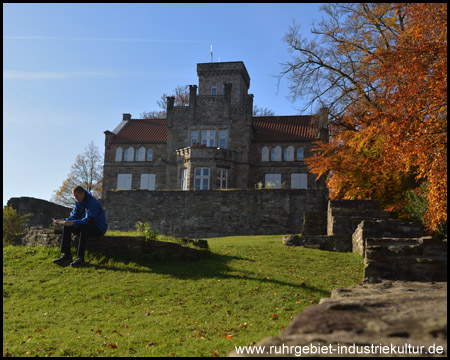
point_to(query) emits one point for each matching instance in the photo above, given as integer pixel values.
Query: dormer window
(214, 89)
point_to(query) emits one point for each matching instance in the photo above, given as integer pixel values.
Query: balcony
(204, 153)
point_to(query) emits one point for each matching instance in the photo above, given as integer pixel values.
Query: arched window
(129, 154)
(276, 154)
(150, 155)
(300, 154)
(213, 89)
(140, 154)
(289, 154)
(119, 153)
(265, 154)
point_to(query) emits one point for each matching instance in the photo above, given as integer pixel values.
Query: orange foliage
(400, 139)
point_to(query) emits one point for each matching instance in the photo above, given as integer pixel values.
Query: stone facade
(214, 213)
(219, 116)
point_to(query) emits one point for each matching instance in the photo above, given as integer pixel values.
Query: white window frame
(222, 178)
(276, 153)
(273, 181)
(223, 139)
(194, 137)
(148, 181)
(299, 181)
(202, 178)
(300, 151)
(289, 153)
(119, 154)
(209, 138)
(140, 154)
(124, 181)
(129, 154)
(265, 153)
(184, 179)
(150, 155)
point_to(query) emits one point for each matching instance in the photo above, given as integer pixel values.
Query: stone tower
(222, 111)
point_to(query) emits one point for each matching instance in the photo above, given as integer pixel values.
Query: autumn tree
(86, 171)
(381, 69)
(181, 94)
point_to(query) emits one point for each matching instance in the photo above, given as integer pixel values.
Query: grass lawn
(249, 288)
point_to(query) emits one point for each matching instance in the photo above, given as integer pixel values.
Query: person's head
(78, 193)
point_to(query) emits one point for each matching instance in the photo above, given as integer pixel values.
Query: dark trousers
(84, 231)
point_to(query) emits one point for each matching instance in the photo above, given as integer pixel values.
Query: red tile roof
(284, 128)
(265, 128)
(142, 131)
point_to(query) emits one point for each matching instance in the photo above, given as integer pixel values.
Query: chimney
(192, 94)
(126, 117)
(323, 117)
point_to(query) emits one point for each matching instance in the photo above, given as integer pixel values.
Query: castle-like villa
(213, 143)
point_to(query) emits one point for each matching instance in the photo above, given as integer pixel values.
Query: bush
(13, 224)
(418, 204)
(145, 230)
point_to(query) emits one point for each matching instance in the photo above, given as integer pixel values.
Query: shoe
(63, 259)
(78, 262)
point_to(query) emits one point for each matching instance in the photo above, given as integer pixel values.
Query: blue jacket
(89, 211)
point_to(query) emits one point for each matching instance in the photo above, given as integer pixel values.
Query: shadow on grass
(208, 265)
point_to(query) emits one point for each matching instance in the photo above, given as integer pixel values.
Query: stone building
(214, 142)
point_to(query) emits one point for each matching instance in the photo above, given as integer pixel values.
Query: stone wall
(213, 213)
(383, 229)
(117, 246)
(399, 315)
(345, 215)
(417, 259)
(43, 211)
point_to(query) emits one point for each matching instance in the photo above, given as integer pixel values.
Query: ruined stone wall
(43, 211)
(386, 228)
(213, 213)
(418, 259)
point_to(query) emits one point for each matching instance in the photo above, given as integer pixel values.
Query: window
(119, 153)
(299, 181)
(223, 139)
(129, 154)
(300, 154)
(209, 138)
(140, 154)
(214, 89)
(148, 181)
(276, 154)
(265, 154)
(124, 181)
(184, 179)
(289, 154)
(222, 179)
(194, 137)
(150, 155)
(273, 181)
(201, 179)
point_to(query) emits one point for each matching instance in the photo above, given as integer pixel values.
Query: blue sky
(71, 70)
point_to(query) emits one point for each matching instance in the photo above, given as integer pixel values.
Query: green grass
(247, 289)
